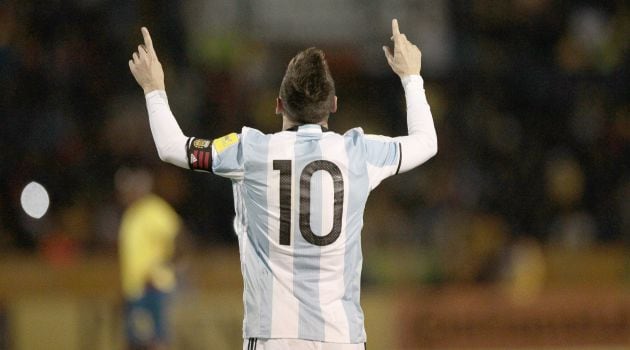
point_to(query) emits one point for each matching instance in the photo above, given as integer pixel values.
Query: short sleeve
(383, 156)
(227, 156)
(222, 156)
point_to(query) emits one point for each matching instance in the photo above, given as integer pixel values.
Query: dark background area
(531, 101)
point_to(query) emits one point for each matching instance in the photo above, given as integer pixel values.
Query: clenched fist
(406, 57)
(146, 67)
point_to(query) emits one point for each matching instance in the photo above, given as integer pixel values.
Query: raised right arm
(421, 142)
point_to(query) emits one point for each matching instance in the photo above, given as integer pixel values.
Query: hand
(145, 66)
(406, 57)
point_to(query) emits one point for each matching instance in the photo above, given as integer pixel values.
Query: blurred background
(516, 235)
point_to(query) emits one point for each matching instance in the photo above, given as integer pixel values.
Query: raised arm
(421, 142)
(167, 135)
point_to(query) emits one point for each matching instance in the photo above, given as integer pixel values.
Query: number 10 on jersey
(286, 181)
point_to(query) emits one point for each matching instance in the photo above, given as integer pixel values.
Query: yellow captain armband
(221, 143)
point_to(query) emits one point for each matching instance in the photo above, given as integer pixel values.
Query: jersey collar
(308, 128)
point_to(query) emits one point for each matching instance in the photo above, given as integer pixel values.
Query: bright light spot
(35, 200)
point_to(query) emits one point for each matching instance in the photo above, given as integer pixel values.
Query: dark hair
(308, 89)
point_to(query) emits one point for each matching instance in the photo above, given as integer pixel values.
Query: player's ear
(333, 108)
(279, 108)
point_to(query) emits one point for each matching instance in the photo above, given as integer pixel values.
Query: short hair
(308, 89)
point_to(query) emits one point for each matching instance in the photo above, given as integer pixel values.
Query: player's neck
(288, 124)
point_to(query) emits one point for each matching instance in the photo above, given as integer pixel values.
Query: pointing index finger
(147, 38)
(395, 30)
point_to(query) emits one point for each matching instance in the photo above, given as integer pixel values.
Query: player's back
(299, 202)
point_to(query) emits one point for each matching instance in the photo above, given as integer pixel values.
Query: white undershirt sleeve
(168, 137)
(421, 143)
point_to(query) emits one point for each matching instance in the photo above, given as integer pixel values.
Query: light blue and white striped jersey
(299, 200)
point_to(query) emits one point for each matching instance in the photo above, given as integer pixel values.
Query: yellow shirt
(146, 245)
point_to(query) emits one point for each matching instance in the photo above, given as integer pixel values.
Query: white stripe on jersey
(284, 304)
(240, 225)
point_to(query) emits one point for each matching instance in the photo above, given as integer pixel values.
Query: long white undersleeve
(167, 135)
(416, 148)
(421, 143)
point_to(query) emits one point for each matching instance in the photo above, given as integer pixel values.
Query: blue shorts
(145, 318)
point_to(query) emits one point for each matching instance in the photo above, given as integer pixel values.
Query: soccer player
(149, 231)
(299, 195)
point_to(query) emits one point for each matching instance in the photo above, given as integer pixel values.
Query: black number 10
(284, 166)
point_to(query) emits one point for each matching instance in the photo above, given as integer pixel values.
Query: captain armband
(199, 153)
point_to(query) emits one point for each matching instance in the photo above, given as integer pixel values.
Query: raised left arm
(169, 139)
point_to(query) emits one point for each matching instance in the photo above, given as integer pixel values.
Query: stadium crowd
(532, 110)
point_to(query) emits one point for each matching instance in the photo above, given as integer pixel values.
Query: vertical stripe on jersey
(240, 226)
(284, 304)
(358, 191)
(306, 264)
(332, 259)
(256, 267)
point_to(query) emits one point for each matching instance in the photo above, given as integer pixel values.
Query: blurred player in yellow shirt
(147, 236)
